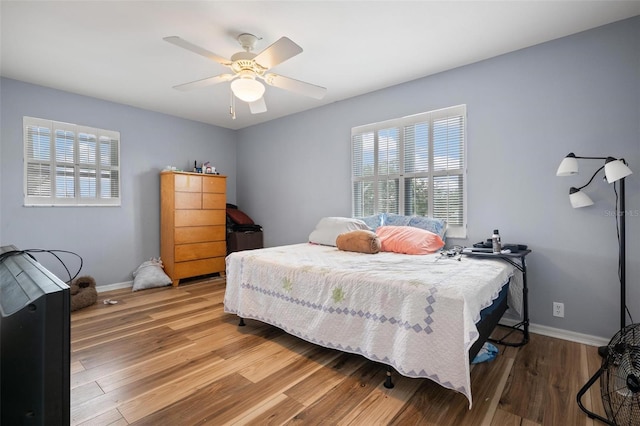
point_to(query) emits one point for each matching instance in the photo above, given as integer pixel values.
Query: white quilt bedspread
(415, 313)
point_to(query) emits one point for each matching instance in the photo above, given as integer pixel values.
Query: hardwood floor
(171, 356)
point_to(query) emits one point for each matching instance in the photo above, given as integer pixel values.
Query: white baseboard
(116, 286)
(558, 333)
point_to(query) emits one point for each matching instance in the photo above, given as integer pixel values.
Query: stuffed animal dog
(83, 292)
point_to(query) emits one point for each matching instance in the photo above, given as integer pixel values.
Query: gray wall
(526, 111)
(112, 241)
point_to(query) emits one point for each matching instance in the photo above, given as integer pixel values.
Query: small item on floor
(110, 302)
(488, 352)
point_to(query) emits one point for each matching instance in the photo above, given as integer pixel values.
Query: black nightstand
(517, 259)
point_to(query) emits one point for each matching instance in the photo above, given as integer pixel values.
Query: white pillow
(149, 275)
(328, 229)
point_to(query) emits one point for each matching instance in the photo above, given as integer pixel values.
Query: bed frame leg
(388, 383)
(241, 323)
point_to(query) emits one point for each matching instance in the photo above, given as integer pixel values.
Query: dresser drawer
(188, 183)
(200, 217)
(214, 184)
(200, 250)
(199, 267)
(200, 234)
(188, 200)
(213, 201)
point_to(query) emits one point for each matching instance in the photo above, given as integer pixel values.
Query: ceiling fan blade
(204, 82)
(277, 53)
(297, 86)
(196, 49)
(258, 106)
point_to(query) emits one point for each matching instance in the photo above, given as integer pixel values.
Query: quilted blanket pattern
(414, 313)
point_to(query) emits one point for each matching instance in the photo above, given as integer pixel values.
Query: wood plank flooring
(171, 356)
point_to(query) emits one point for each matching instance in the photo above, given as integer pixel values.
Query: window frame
(402, 177)
(89, 168)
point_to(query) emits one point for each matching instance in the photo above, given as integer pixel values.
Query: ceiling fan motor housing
(243, 61)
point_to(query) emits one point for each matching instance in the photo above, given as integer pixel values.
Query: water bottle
(495, 241)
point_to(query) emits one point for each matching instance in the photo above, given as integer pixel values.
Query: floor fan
(620, 380)
(619, 377)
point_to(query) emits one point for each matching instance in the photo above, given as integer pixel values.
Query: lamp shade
(247, 89)
(568, 166)
(615, 169)
(579, 199)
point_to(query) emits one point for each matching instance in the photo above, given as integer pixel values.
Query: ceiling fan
(248, 68)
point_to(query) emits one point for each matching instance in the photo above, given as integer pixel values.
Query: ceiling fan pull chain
(232, 109)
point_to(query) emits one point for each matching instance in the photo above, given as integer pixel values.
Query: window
(66, 164)
(412, 166)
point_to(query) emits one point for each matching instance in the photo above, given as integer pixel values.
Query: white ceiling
(113, 50)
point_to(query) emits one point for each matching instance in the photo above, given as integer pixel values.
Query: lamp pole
(622, 261)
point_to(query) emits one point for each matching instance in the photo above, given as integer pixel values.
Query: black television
(34, 343)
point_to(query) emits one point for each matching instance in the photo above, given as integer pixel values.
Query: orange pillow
(360, 241)
(408, 240)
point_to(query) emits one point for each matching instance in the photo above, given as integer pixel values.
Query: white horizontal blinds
(418, 165)
(388, 154)
(416, 196)
(416, 168)
(448, 199)
(38, 160)
(362, 155)
(388, 196)
(363, 172)
(87, 164)
(388, 170)
(109, 166)
(448, 167)
(83, 161)
(64, 161)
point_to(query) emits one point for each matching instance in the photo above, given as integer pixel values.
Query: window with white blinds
(66, 164)
(412, 166)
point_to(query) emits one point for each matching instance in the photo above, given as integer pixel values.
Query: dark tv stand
(517, 259)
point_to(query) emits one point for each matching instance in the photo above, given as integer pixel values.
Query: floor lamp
(615, 171)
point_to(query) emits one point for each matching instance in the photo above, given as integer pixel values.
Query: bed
(423, 315)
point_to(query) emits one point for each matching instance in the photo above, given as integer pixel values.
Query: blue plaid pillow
(437, 226)
(392, 219)
(373, 221)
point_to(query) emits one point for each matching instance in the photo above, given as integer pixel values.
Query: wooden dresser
(192, 224)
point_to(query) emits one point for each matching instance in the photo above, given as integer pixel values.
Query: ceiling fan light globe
(247, 89)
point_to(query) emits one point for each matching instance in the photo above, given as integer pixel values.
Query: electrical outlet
(558, 309)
